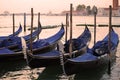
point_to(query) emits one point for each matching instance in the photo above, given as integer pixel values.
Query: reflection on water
(18, 70)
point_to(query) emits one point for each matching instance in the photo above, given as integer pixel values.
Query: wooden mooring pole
(109, 42)
(38, 23)
(31, 29)
(95, 13)
(24, 22)
(70, 47)
(13, 23)
(66, 27)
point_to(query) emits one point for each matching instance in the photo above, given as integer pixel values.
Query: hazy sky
(45, 6)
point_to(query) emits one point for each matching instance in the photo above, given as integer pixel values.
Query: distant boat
(44, 59)
(94, 57)
(11, 35)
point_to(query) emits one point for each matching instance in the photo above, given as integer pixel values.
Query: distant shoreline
(28, 14)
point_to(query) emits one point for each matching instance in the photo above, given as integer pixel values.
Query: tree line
(90, 10)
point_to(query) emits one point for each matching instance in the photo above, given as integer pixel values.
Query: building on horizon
(115, 10)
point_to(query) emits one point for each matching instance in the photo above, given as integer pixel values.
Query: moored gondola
(11, 35)
(47, 44)
(79, 44)
(94, 57)
(38, 46)
(14, 42)
(44, 59)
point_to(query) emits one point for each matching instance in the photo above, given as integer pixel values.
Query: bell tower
(115, 4)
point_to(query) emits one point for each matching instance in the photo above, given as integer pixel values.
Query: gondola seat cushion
(39, 43)
(101, 48)
(76, 45)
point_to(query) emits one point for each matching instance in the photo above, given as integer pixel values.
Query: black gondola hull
(37, 63)
(43, 58)
(40, 61)
(73, 68)
(11, 57)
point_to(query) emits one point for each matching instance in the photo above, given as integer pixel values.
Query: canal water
(18, 70)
